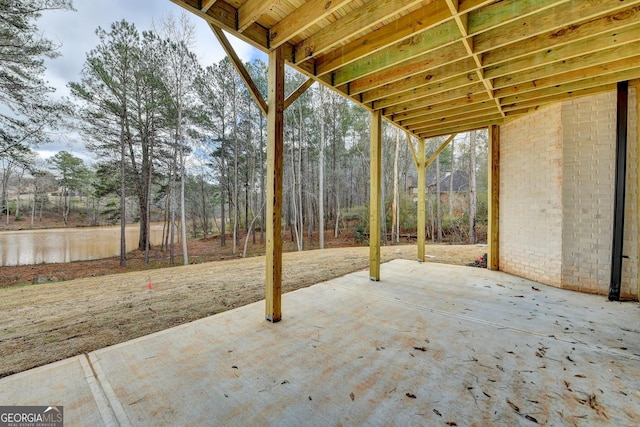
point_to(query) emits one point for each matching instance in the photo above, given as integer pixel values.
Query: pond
(27, 247)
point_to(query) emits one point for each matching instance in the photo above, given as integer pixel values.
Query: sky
(75, 32)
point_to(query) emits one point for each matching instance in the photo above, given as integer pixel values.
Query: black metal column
(619, 194)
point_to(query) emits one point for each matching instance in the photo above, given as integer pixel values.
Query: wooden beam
(569, 64)
(466, 92)
(206, 5)
(418, 125)
(296, 93)
(239, 66)
(432, 39)
(589, 49)
(451, 106)
(413, 150)
(505, 11)
(223, 15)
(420, 92)
(275, 137)
(439, 150)
(422, 189)
(302, 18)
(415, 66)
(629, 74)
(536, 103)
(563, 14)
(356, 21)
(477, 109)
(441, 131)
(455, 122)
(571, 76)
(405, 27)
(493, 258)
(429, 77)
(252, 10)
(375, 195)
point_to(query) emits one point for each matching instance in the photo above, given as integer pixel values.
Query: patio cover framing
(430, 67)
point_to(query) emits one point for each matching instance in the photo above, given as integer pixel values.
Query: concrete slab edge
(106, 412)
(109, 401)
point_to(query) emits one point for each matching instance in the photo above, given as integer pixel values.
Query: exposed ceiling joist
(442, 66)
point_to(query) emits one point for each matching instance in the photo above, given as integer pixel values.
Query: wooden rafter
(343, 29)
(302, 18)
(421, 19)
(252, 10)
(206, 5)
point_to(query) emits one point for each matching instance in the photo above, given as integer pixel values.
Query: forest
(177, 141)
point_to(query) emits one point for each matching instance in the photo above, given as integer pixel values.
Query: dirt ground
(106, 304)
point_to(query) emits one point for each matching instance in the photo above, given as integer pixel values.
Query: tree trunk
(472, 188)
(394, 203)
(321, 170)
(123, 198)
(451, 169)
(183, 219)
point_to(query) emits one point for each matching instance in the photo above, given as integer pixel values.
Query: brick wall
(556, 195)
(530, 240)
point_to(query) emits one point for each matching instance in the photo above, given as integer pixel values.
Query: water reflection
(68, 244)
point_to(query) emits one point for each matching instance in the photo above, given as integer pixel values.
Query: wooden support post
(374, 195)
(638, 175)
(494, 198)
(422, 187)
(275, 132)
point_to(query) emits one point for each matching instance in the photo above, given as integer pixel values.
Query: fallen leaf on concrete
(451, 423)
(535, 289)
(411, 395)
(530, 418)
(579, 376)
(420, 348)
(352, 396)
(435, 411)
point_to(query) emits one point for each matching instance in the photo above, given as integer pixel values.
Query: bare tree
(472, 188)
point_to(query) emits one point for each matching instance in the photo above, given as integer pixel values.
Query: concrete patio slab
(430, 344)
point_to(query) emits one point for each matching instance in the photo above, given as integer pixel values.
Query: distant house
(460, 182)
(460, 188)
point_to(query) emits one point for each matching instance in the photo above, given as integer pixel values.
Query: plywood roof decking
(437, 67)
